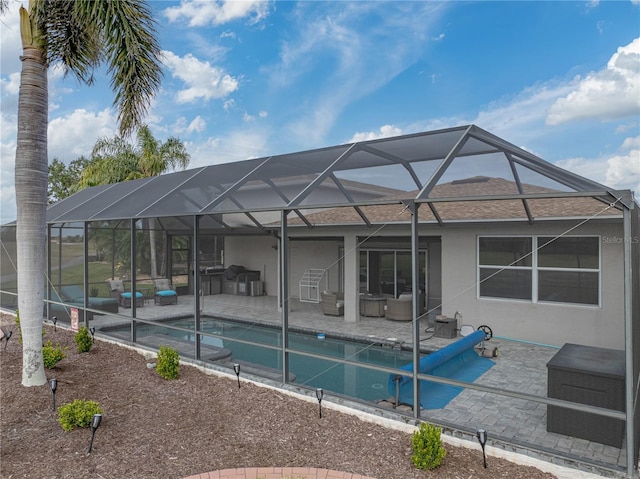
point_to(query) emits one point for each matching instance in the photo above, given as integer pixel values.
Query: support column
(85, 284)
(351, 279)
(196, 284)
(284, 294)
(415, 279)
(628, 347)
(48, 285)
(133, 266)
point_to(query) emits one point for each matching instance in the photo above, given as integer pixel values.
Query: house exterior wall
(314, 254)
(257, 253)
(260, 253)
(553, 324)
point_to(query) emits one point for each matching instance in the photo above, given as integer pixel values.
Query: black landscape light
(53, 385)
(95, 424)
(236, 369)
(319, 395)
(93, 334)
(481, 434)
(55, 320)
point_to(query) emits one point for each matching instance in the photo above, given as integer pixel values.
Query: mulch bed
(153, 428)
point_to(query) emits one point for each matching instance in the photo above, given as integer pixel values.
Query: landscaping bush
(168, 362)
(84, 341)
(78, 413)
(52, 356)
(428, 451)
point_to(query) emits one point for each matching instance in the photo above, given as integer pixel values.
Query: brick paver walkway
(277, 473)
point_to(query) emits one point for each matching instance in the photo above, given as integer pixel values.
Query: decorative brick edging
(277, 473)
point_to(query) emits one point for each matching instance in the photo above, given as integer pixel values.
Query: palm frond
(81, 34)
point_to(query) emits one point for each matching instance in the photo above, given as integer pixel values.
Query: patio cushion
(166, 292)
(162, 284)
(116, 285)
(128, 295)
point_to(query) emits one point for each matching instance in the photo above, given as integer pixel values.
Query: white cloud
(234, 146)
(620, 170)
(609, 94)
(384, 132)
(203, 13)
(11, 87)
(341, 35)
(197, 124)
(7, 175)
(631, 144)
(228, 104)
(10, 38)
(75, 135)
(203, 80)
(247, 117)
(623, 171)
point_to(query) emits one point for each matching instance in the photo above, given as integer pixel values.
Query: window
(505, 267)
(569, 270)
(540, 269)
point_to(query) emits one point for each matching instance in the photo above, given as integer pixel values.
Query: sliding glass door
(388, 272)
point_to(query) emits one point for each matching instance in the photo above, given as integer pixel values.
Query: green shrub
(428, 451)
(168, 362)
(52, 356)
(78, 413)
(83, 338)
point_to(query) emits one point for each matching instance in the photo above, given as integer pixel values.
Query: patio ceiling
(442, 168)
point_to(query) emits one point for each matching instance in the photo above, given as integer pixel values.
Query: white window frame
(535, 269)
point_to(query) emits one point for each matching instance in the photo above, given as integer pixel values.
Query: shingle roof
(477, 210)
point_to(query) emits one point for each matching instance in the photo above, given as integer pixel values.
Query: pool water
(357, 382)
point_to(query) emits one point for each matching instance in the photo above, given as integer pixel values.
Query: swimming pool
(265, 350)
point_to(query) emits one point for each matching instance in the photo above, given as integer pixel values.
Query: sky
(248, 79)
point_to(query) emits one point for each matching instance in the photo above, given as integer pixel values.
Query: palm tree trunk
(31, 199)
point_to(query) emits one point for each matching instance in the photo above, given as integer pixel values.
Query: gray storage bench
(587, 375)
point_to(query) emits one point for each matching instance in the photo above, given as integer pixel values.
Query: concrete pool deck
(517, 425)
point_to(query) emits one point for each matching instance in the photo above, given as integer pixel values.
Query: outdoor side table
(372, 305)
(587, 375)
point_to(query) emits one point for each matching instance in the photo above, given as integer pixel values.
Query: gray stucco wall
(553, 324)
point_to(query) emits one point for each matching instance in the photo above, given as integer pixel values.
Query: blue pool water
(357, 382)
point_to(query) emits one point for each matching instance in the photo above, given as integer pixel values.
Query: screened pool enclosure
(342, 267)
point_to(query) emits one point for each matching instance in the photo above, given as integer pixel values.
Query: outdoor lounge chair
(63, 311)
(165, 294)
(74, 294)
(332, 303)
(116, 286)
(400, 309)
